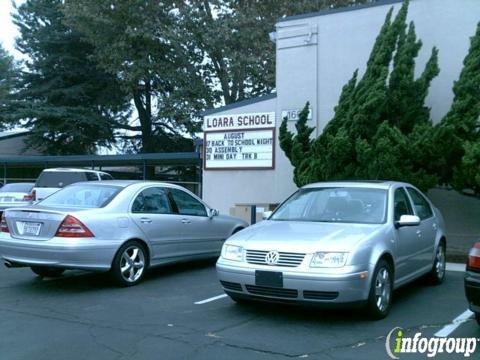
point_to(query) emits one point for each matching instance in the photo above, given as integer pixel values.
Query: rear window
(82, 196)
(21, 188)
(105, 176)
(59, 179)
(91, 176)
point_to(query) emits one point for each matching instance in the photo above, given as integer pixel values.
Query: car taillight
(3, 224)
(474, 258)
(29, 197)
(72, 227)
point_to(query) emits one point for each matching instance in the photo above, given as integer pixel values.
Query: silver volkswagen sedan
(121, 226)
(337, 243)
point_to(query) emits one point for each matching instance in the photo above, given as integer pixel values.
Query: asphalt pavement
(461, 214)
(178, 312)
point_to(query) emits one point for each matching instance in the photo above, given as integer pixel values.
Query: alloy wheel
(132, 263)
(383, 289)
(440, 262)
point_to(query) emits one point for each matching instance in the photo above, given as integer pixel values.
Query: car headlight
(329, 259)
(232, 252)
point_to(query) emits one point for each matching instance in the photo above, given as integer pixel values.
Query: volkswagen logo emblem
(272, 257)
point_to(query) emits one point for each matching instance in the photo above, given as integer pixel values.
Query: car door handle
(419, 233)
(186, 221)
(434, 226)
(145, 220)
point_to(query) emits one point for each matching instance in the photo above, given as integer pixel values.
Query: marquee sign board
(243, 141)
(242, 149)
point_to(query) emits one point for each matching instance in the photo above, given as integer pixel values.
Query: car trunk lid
(34, 224)
(10, 197)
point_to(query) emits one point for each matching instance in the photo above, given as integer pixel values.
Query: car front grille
(270, 291)
(320, 295)
(287, 259)
(227, 285)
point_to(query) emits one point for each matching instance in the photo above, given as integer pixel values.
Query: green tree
(405, 106)
(459, 131)
(381, 128)
(8, 73)
(176, 58)
(133, 43)
(467, 175)
(230, 39)
(465, 111)
(67, 102)
(297, 146)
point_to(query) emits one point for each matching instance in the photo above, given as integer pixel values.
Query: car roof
(16, 183)
(125, 183)
(372, 184)
(72, 170)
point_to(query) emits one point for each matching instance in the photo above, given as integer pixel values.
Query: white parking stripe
(456, 267)
(211, 299)
(459, 320)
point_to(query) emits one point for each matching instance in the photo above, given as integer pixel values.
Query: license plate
(29, 228)
(7, 199)
(269, 278)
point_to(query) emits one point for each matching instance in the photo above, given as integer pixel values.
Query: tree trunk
(144, 109)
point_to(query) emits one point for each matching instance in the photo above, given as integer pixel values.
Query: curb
(456, 267)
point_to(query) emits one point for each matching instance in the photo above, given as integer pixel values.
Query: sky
(8, 31)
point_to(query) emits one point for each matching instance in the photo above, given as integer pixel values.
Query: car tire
(381, 290)
(129, 264)
(46, 271)
(477, 317)
(437, 274)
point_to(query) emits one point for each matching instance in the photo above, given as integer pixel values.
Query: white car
(52, 180)
(123, 226)
(15, 195)
(338, 243)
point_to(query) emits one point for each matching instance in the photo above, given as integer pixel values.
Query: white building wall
(345, 40)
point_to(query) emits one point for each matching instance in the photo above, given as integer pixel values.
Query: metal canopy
(183, 158)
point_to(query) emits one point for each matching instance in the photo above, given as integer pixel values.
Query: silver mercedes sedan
(349, 243)
(121, 226)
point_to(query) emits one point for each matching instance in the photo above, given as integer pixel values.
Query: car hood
(308, 237)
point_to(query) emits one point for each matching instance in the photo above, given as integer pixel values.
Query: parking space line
(459, 320)
(456, 267)
(210, 299)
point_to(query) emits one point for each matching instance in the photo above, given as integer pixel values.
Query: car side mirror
(407, 220)
(212, 213)
(266, 215)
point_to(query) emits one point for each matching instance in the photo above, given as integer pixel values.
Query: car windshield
(20, 187)
(82, 196)
(335, 204)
